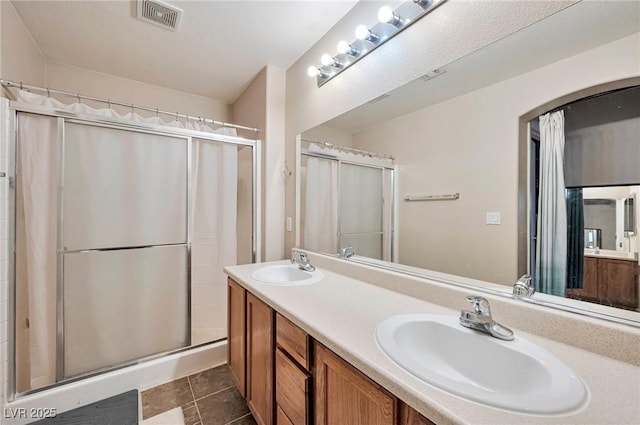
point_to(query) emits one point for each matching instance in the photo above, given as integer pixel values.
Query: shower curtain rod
(359, 151)
(7, 83)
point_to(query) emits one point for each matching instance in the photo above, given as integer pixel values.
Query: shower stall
(347, 200)
(119, 228)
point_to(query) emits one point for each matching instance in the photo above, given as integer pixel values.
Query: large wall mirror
(461, 143)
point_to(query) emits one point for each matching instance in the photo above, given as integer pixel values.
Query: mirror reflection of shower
(347, 200)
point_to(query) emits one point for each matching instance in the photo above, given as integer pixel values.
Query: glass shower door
(361, 209)
(124, 247)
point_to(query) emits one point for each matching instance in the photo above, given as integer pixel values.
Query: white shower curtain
(213, 244)
(551, 247)
(37, 156)
(321, 205)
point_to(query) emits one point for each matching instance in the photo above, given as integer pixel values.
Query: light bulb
(388, 16)
(385, 14)
(343, 47)
(327, 59)
(312, 71)
(362, 32)
(347, 49)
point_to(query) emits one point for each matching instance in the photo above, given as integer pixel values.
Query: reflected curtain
(551, 259)
(321, 205)
(575, 238)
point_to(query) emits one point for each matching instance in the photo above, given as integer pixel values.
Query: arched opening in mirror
(579, 180)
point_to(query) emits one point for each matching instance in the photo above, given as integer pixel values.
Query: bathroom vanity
(610, 278)
(307, 353)
(263, 340)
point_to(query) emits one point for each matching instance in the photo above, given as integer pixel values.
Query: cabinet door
(236, 355)
(292, 389)
(590, 279)
(408, 416)
(260, 351)
(618, 282)
(343, 395)
(589, 290)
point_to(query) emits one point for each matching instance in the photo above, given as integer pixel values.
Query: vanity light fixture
(391, 22)
(422, 3)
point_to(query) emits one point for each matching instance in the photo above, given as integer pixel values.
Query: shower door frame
(9, 115)
(300, 152)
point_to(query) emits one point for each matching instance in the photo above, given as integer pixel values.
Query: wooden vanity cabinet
(236, 334)
(618, 282)
(288, 378)
(343, 395)
(408, 416)
(608, 281)
(260, 360)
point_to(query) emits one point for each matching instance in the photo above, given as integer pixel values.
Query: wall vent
(159, 13)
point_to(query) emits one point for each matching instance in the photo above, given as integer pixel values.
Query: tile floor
(206, 398)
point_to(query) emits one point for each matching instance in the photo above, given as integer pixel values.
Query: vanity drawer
(292, 391)
(293, 340)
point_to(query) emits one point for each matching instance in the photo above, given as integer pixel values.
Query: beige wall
(97, 84)
(331, 135)
(21, 60)
(450, 32)
(469, 145)
(261, 105)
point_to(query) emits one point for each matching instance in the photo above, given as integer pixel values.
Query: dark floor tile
(211, 381)
(222, 407)
(121, 409)
(166, 397)
(245, 420)
(191, 416)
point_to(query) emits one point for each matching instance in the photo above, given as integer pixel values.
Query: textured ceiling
(219, 47)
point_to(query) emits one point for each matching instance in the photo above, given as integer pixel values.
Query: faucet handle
(480, 305)
(303, 258)
(524, 286)
(347, 252)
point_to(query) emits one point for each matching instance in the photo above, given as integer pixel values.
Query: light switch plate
(493, 217)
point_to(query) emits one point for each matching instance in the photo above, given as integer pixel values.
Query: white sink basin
(286, 275)
(513, 375)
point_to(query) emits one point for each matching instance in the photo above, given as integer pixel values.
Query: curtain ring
(48, 92)
(176, 116)
(20, 85)
(79, 101)
(132, 111)
(157, 113)
(109, 103)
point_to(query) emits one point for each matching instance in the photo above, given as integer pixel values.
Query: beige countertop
(342, 313)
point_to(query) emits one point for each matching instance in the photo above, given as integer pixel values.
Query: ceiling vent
(159, 13)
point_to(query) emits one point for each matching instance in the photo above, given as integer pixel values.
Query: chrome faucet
(347, 252)
(304, 263)
(480, 319)
(524, 287)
